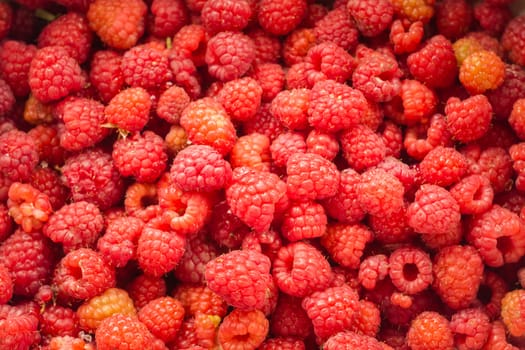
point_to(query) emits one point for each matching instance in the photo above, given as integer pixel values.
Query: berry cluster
(262, 174)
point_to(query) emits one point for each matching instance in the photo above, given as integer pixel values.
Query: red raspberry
(481, 71)
(458, 271)
(406, 37)
(503, 98)
(494, 163)
(129, 110)
(344, 206)
(420, 139)
(167, 17)
(453, 18)
(362, 147)
(285, 145)
(252, 150)
(199, 250)
(337, 27)
(207, 123)
(29, 258)
(416, 103)
(300, 269)
(197, 333)
(265, 123)
(118, 244)
(112, 301)
(303, 220)
(56, 320)
(145, 67)
(296, 45)
(7, 19)
(225, 228)
(91, 176)
(430, 329)
(83, 120)
(323, 144)
(471, 328)
(18, 155)
(492, 18)
(371, 17)
(15, 60)
(443, 166)
(290, 107)
(119, 24)
(345, 243)
(380, 192)
(6, 285)
(171, 103)
(82, 274)
(282, 343)
(334, 106)
(144, 288)
(434, 211)
(268, 51)
(226, 15)
(410, 269)
(497, 338)
(67, 75)
(200, 299)
(163, 317)
(473, 193)
(141, 201)
(435, 63)
(331, 310)
(499, 236)
(329, 61)
(373, 269)
(241, 277)
(48, 144)
(351, 340)
(229, 55)
(513, 40)
(124, 332)
(281, 17)
(18, 326)
(7, 98)
(289, 319)
(512, 312)
(268, 243)
(106, 74)
(270, 77)
(241, 98)
(191, 41)
(243, 330)
(517, 118)
(28, 207)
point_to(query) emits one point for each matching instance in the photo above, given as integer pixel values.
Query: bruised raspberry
(430, 329)
(28, 207)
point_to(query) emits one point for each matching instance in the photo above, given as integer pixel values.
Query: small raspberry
(121, 332)
(415, 103)
(6, 285)
(337, 27)
(145, 67)
(481, 71)
(345, 243)
(56, 320)
(270, 77)
(303, 220)
(199, 250)
(144, 288)
(243, 330)
(28, 207)
(473, 193)
(372, 269)
(329, 61)
(18, 155)
(371, 17)
(119, 24)
(251, 150)
(344, 206)
(268, 52)
(163, 317)
(281, 17)
(410, 269)
(296, 45)
(513, 40)
(171, 103)
(430, 329)
(226, 15)
(290, 107)
(471, 328)
(241, 277)
(453, 18)
(15, 60)
(513, 312)
(285, 145)
(119, 241)
(112, 301)
(240, 98)
(380, 192)
(289, 319)
(167, 17)
(129, 109)
(106, 74)
(443, 166)
(264, 123)
(200, 299)
(362, 147)
(406, 37)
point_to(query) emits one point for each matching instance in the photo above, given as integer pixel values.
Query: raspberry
(453, 18)
(163, 317)
(323, 144)
(471, 328)
(296, 45)
(106, 74)
(303, 220)
(6, 21)
(118, 244)
(145, 67)
(280, 18)
(82, 274)
(18, 326)
(15, 60)
(8, 99)
(200, 299)
(373, 269)
(430, 329)
(28, 207)
(141, 201)
(344, 206)
(498, 337)
(168, 17)
(129, 110)
(464, 47)
(379, 192)
(35, 112)
(362, 147)
(282, 343)
(481, 71)
(420, 139)
(229, 55)
(268, 52)
(290, 107)
(6, 223)
(285, 145)
(331, 310)
(289, 319)
(18, 156)
(197, 333)
(345, 243)
(337, 27)
(443, 166)
(415, 103)
(329, 61)
(300, 269)
(226, 15)
(371, 17)
(6, 285)
(119, 24)
(492, 18)
(29, 258)
(252, 150)
(171, 103)
(499, 236)
(473, 193)
(199, 250)
(352, 340)
(457, 271)
(58, 320)
(145, 288)
(201, 120)
(512, 311)
(494, 163)
(517, 118)
(503, 98)
(112, 301)
(435, 63)
(225, 228)
(406, 37)
(264, 122)
(123, 332)
(513, 40)
(434, 211)
(410, 269)
(243, 330)
(241, 277)
(414, 10)
(240, 98)
(91, 176)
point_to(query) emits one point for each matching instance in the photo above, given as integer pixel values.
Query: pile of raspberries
(262, 175)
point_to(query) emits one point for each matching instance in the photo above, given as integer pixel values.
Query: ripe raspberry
(492, 162)
(241, 277)
(290, 107)
(285, 145)
(282, 343)
(481, 71)
(91, 176)
(344, 206)
(199, 250)
(347, 340)
(371, 17)
(6, 223)
(473, 193)
(410, 269)
(471, 328)
(362, 147)
(453, 18)
(324, 144)
(226, 15)
(252, 150)
(207, 123)
(167, 17)
(372, 269)
(499, 236)
(15, 60)
(420, 139)
(492, 18)
(264, 123)
(270, 77)
(513, 40)
(513, 311)
(280, 18)
(123, 332)
(163, 317)
(345, 243)
(119, 241)
(146, 67)
(517, 118)
(303, 220)
(443, 166)
(171, 103)
(28, 207)
(30, 259)
(6, 285)
(415, 104)
(503, 98)
(18, 326)
(464, 47)
(7, 98)
(141, 201)
(200, 299)
(406, 37)
(337, 27)
(268, 52)
(144, 288)
(414, 10)
(430, 329)
(435, 63)
(129, 110)
(329, 61)
(434, 211)
(226, 229)
(82, 274)
(296, 45)
(18, 155)
(56, 320)
(243, 330)
(119, 24)
(241, 98)
(106, 74)
(458, 271)
(112, 301)
(497, 338)
(331, 310)
(289, 319)
(229, 55)
(380, 192)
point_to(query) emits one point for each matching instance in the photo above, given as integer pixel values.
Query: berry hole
(505, 244)
(146, 201)
(484, 294)
(410, 271)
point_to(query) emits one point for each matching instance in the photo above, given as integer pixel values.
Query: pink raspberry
(371, 17)
(346, 243)
(285, 145)
(362, 147)
(473, 193)
(281, 17)
(171, 103)
(118, 244)
(513, 39)
(198, 252)
(470, 119)
(410, 269)
(471, 328)
(303, 220)
(380, 192)
(226, 15)
(443, 166)
(241, 98)
(337, 27)
(18, 155)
